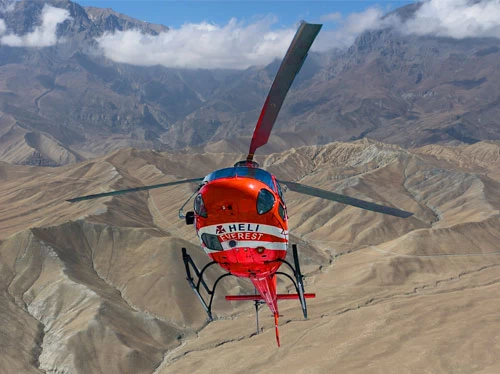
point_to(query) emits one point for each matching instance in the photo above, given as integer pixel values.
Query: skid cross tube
(188, 262)
(289, 277)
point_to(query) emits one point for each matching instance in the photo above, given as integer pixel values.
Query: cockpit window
(199, 206)
(245, 172)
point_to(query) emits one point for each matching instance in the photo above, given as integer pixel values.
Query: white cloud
(43, 35)
(350, 28)
(235, 45)
(3, 28)
(357, 23)
(456, 19)
(450, 18)
(238, 45)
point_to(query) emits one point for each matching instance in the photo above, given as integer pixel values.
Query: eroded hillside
(99, 286)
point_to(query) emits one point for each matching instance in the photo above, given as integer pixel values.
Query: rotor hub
(247, 163)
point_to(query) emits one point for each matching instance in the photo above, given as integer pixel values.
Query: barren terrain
(99, 286)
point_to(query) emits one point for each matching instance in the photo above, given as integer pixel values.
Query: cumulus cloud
(449, 18)
(456, 19)
(236, 45)
(43, 35)
(356, 23)
(239, 45)
(350, 27)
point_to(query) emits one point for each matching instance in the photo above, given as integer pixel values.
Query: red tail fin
(276, 316)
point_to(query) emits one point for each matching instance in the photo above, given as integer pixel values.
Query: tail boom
(266, 287)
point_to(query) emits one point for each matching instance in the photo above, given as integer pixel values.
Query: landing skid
(299, 279)
(199, 282)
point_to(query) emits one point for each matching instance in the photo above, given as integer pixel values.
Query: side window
(280, 191)
(282, 211)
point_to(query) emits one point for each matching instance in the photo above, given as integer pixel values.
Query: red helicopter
(240, 213)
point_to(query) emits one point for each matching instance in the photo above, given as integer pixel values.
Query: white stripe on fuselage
(272, 246)
(245, 235)
(228, 228)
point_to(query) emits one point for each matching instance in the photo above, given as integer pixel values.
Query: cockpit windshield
(244, 172)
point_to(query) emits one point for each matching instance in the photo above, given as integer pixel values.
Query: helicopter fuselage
(241, 221)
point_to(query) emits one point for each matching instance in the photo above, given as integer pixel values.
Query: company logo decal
(220, 230)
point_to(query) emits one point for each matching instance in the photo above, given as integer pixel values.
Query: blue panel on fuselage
(243, 172)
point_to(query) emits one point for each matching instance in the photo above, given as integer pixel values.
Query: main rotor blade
(290, 66)
(135, 189)
(307, 190)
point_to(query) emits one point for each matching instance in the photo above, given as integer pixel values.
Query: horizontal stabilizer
(285, 296)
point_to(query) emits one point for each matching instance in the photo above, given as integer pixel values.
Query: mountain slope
(393, 87)
(100, 285)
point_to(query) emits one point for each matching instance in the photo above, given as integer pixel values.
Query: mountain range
(99, 286)
(67, 102)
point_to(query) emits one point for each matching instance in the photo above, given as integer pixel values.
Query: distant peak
(405, 12)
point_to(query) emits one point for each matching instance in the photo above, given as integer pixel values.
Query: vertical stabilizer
(276, 328)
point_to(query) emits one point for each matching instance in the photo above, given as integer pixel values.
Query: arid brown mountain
(396, 88)
(99, 286)
(82, 102)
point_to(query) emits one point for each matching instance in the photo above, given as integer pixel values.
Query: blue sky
(176, 13)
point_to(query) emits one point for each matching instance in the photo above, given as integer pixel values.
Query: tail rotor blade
(135, 189)
(363, 204)
(290, 66)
